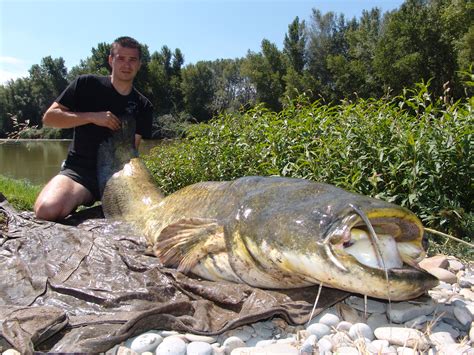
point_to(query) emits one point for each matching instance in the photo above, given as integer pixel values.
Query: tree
(20, 105)
(326, 40)
(4, 129)
(164, 77)
(295, 45)
(413, 48)
(232, 90)
(266, 71)
(353, 72)
(48, 80)
(294, 48)
(457, 17)
(198, 90)
(97, 63)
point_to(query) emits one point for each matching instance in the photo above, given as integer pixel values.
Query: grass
(20, 193)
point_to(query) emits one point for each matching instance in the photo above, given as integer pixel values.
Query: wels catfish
(268, 232)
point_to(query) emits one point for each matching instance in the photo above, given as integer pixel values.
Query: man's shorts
(85, 177)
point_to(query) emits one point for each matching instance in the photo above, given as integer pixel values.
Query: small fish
(269, 232)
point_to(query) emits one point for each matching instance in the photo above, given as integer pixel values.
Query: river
(38, 160)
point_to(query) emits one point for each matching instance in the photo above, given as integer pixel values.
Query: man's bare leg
(60, 197)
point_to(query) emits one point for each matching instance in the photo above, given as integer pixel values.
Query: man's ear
(110, 60)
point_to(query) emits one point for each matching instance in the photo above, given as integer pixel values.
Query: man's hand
(106, 119)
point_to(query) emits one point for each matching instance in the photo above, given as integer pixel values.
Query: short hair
(127, 42)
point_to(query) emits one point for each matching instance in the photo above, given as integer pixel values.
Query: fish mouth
(381, 249)
(386, 239)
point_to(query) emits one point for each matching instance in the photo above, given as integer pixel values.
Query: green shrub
(411, 150)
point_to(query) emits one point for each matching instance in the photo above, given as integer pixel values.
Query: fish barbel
(269, 232)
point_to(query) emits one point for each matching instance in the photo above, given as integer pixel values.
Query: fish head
(340, 239)
(375, 249)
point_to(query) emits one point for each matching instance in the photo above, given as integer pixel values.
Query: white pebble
(341, 339)
(346, 350)
(439, 338)
(123, 350)
(309, 345)
(199, 348)
(329, 319)
(406, 351)
(319, 330)
(11, 352)
(262, 343)
(203, 338)
(331, 310)
(359, 330)
(361, 343)
(325, 344)
(467, 294)
(146, 342)
(172, 345)
(403, 337)
(270, 349)
(290, 339)
(343, 325)
(466, 281)
(378, 346)
(455, 349)
(455, 265)
(232, 343)
(242, 333)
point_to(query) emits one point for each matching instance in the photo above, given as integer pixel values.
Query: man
(92, 105)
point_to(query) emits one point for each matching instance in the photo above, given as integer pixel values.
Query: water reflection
(39, 160)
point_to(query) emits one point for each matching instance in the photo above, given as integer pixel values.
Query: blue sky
(203, 29)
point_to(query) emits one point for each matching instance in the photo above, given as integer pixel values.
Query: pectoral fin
(184, 243)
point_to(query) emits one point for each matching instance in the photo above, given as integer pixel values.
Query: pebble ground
(439, 323)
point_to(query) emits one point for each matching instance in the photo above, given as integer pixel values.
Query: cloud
(12, 68)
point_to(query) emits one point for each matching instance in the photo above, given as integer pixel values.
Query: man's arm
(59, 116)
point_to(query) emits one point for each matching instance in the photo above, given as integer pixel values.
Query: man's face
(125, 63)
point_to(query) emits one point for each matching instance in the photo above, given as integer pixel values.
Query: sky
(202, 29)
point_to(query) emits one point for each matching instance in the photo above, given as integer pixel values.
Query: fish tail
(116, 151)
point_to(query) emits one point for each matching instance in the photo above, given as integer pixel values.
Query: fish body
(271, 232)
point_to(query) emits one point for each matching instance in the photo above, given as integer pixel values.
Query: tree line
(327, 58)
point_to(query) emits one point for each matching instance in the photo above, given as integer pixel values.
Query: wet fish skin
(269, 232)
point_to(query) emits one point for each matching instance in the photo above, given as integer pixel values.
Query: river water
(39, 160)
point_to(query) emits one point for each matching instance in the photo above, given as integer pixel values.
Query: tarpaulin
(87, 284)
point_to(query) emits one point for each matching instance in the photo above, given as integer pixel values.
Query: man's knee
(49, 210)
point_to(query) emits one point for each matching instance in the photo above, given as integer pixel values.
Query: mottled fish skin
(269, 232)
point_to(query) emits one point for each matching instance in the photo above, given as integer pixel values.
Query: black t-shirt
(93, 93)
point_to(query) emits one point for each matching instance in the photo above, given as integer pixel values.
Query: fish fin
(184, 243)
